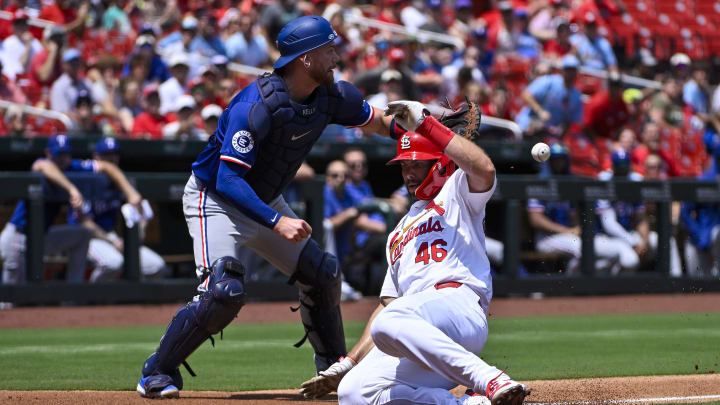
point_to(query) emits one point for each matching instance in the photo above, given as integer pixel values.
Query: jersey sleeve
(240, 144)
(534, 204)
(83, 165)
(353, 110)
(539, 88)
(388, 288)
(475, 201)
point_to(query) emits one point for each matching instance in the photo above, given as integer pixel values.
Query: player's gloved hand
(328, 380)
(292, 229)
(409, 114)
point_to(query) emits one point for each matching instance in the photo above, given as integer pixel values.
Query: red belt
(447, 284)
(453, 284)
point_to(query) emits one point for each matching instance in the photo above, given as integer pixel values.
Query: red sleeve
(594, 109)
(52, 13)
(673, 168)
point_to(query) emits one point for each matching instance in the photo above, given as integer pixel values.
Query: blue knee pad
(194, 323)
(319, 280)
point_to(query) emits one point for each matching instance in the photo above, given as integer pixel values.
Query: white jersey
(439, 241)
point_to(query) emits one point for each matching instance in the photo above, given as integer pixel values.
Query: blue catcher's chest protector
(294, 128)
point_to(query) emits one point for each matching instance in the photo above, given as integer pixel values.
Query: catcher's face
(320, 64)
(414, 172)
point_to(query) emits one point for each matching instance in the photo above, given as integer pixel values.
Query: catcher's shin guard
(319, 280)
(194, 323)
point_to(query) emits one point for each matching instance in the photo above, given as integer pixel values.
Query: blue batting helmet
(302, 35)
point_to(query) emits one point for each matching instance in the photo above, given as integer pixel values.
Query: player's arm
(246, 125)
(118, 177)
(329, 379)
(99, 233)
(367, 224)
(539, 220)
(53, 173)
(355, 112)
(609, 222)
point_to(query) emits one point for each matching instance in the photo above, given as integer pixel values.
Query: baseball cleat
(502, 390)
(157, 386)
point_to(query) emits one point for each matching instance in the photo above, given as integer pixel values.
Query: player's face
(321, 63)
(62, 160)
(414, 172)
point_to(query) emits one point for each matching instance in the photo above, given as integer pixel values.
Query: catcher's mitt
(464, 121)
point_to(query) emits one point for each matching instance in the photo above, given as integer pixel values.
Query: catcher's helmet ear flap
(413, 146)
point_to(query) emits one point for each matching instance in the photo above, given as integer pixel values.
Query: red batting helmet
(413, 146)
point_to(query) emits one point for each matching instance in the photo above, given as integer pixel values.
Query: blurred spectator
(524, 43)
(457, 75)
(149, 124)
(666, 105)
(210, 115)
(654, 168)
(65, 90)
(552, 100)
(176, 85)
(606, 111)
(130, 104)
(485, 56)
(702, 222)
(83, 116)
(275, 15)
(186, 126)
(17, 50)
(115, 19)
(544, 24)
(627, 141)
(245, 44)
(226, 90)
(560, 45)
(220, 67)
(70, 14)
(46, 65)
(498, 104)
(390, 89)
(696, 92)
(593, 49)
(651, 145)
(152, 64)
(179, 41)
(71, 239)
(555, 229)
(9, 90)
(104, 84)
(500, 33)
(396, 60)
(207, 43)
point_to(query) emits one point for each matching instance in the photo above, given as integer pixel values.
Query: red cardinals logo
(400, 239)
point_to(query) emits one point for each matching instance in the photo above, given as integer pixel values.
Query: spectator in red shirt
(68, 13)
(559, 46)
(149, 124)
(606, 112)
(651, 145)
(46, 65)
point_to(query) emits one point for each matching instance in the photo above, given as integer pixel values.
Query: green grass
(262, 357)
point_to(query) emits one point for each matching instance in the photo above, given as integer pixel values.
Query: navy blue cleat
(157, 386)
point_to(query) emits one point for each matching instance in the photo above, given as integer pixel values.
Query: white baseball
(540, 152)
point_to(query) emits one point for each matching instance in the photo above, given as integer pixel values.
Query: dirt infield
(674, 389)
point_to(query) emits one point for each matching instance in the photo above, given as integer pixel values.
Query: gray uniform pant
(72, 240)
(108, 260)
(218, 228)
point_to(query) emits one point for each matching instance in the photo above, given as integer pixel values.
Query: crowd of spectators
(165, 69)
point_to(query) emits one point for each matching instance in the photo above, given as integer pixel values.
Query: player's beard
(323, 77)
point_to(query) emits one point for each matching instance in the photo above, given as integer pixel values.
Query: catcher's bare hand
(328, 380)
(292, 229)
(409, 114)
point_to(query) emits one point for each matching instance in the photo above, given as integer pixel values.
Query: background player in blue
(100, 217)
(68, 238)
(233, 198)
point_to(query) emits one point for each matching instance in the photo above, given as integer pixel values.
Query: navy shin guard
(194, 323)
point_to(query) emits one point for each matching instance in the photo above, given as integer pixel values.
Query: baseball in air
(540, 152)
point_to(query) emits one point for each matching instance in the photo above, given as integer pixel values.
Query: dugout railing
(511, 194)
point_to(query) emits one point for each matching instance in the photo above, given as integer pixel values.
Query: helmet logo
(405, 142)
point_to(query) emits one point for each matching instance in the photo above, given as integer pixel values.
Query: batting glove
(409, 114)
(328, 380)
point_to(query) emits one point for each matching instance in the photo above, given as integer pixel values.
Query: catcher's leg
(318, 277)
(192, 325)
